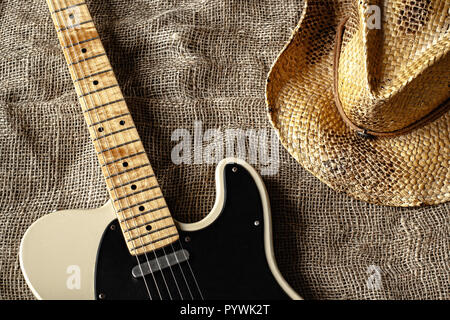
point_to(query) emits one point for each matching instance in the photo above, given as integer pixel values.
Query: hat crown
(394, 64)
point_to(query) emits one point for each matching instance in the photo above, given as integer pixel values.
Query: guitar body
(227, 255)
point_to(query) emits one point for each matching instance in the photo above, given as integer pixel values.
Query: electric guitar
(132, 248)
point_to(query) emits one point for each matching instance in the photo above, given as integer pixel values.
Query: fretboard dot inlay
(71, 16)
(133, 187)
(148, 227)
(100, 129)
(122, 122)
(125, 164)
(95, 82)
(84, 50)
(141, 208)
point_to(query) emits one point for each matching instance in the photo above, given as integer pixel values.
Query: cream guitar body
(59, 253)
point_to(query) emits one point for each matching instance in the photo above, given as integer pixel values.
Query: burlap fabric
(178, 62)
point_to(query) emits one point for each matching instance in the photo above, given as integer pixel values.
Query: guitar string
(157, 223)
(173, 250)
(191, 271)
(95, 133)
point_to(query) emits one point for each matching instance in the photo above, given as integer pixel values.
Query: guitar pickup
(160, 263)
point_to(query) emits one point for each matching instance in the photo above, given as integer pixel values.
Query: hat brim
(406, 170)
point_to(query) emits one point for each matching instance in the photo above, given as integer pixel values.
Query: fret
(106, 135)
(118, 117)
(140, 204)
(144, 224)
(154, 246)
(84, 67)
(136, 193)
(110, 92)
(94, 65)
(153, 242)
(73, 26)
(135, 226)
(99, 90)
(71, 39)
(163, 217)
(104, 105)
(93, 75)
(113, 175)
(108, 119)
(80, 42)
(147, 233)
(150, 213)
(131, 175)
(118, 146)
(132, 182)
(147, 229)
(123, 158)
(147, 199)
(118, 151)
(114, 132)
(131, 163)
(87, 59)
(142, 212)
(86, 49)
(68, 7)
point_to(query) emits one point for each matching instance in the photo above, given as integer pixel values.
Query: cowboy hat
(363, 105)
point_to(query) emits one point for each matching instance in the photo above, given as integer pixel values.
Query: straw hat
(364, 108)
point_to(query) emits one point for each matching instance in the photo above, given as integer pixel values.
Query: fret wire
(128, 170)
(141, 203)
(69, 7)
(133, 181)
(106, 145)
(109, 119)
(74, 26)
(69, 35)
(137, 192)
(81, 42)
(148, 222)
(104, 105)
(123, 158)
(154, 241)
(119, 145)
(99, 90)
(114, 132)
(151, 232)
(144, 213)
(94, 74)
(87, 59)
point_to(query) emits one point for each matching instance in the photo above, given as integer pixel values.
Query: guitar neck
(140, 206)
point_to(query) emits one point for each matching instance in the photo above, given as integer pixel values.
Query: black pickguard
(227, 258)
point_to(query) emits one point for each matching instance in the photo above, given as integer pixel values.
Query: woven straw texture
(177, 62)
(388, 79)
